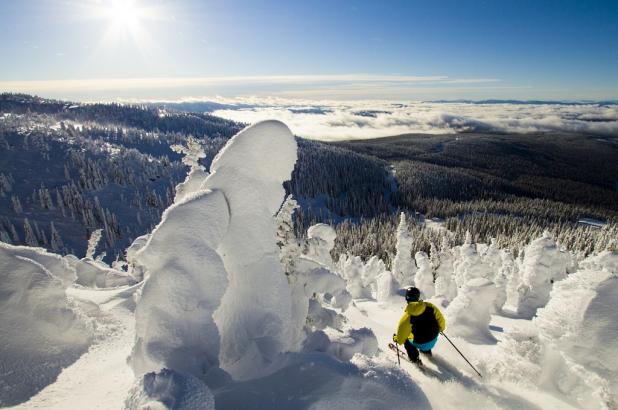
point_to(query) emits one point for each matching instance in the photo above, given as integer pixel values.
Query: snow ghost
(424, 277)
(543, 264)
(320, 241)
(215, 293)
(386, 287)
(403, 264)
(185, 281)
(254, 317)
(351, 268)
(469, 314)
(446, 288)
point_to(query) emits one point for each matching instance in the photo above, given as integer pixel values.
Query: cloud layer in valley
(334, 120)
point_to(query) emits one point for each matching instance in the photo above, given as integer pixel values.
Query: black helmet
(413, 294)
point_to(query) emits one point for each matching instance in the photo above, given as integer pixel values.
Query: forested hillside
(111, 167)
(68, 169)
(511, 187)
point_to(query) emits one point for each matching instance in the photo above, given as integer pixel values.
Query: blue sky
(311, 49)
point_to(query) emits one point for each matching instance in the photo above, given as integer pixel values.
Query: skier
(419, 326)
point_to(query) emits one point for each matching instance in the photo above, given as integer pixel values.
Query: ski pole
(398, 360)
(467, 361)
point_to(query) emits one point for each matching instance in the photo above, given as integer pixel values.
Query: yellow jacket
(428, 323)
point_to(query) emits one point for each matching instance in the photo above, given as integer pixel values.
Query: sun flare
(125, 14)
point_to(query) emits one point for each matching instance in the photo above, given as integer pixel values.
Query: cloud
(340, 120)
(269, 83)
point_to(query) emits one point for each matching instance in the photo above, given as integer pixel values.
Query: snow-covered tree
(424, 276)
(469, 314)
(40, 234)
(494, 258)
(351, 268)
(371, 271)
(287, 241)
(93, 242)
(446, 288)
(60, 202)
(319, 244)
(16, 204)
(386, 286)
(228, 301)
(55, 241)
(5, 184)
(4, 237)
(29, 235)
(543, 264)
(45, 198)
(193, 151)
(403, 266)
(468, 264)
(14, 234)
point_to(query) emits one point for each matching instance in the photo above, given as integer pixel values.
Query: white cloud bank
(332, 81)
(335, 120)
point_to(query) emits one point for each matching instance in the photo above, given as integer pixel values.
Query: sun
(125, 14)
(126, 24)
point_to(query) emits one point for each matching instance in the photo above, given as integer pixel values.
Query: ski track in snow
(101, 378)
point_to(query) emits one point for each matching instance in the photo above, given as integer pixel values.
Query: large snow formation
(571, 347)
(320, 242)
(186, 280)
(95, 273)
(579, 330)
(215, 289)
(351, 268)
(468, 265)
(310, 283)
(446, 288)
(469, 314)
(403, 264)
(62, 267)
(543, 264)
(254, 317)
(386, 287)
(423, 279)
(41, 333)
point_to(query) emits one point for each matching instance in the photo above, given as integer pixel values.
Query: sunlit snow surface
(216, 323)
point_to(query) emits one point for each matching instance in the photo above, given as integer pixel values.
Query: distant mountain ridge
(530, 102)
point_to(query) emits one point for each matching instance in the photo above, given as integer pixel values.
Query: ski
(401, 354)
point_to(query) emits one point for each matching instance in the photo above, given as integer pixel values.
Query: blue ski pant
(412, 348)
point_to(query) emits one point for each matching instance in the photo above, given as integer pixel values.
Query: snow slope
(101, 378)
(42, 331)
(448, 382)
(216, 323)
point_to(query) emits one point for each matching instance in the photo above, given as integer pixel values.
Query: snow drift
(571, 347)
(168, 389)
(580, 336)
(41, 333)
